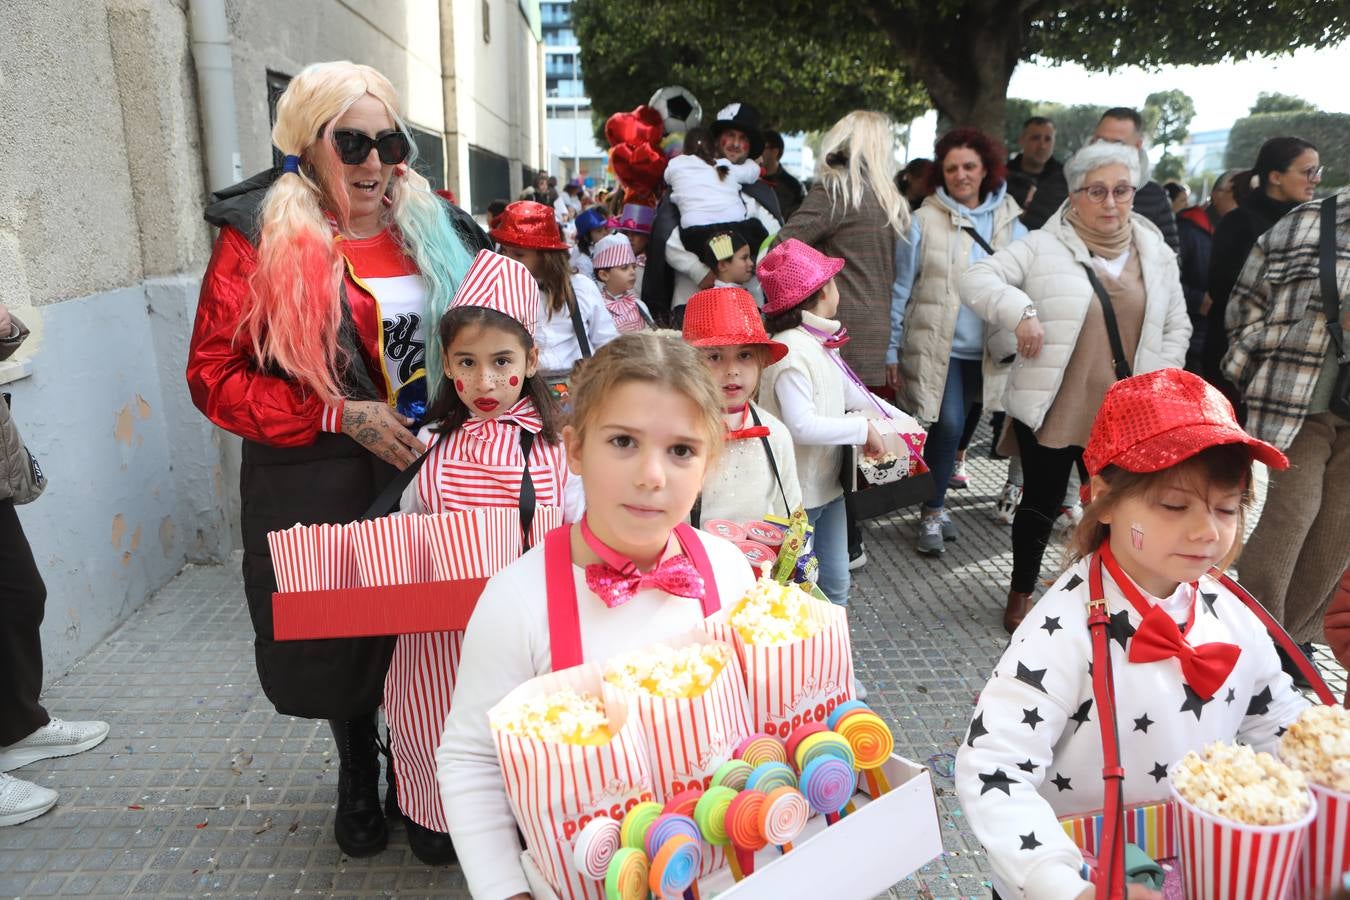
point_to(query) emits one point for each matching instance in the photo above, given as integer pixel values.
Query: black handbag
(1331, 307)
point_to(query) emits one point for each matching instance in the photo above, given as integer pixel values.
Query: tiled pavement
(203, 790)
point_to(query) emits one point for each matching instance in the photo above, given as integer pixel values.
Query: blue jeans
(830, 524)
(965, 383)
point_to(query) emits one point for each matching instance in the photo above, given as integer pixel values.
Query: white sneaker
(56, 738)
(959, 479)
(1069, 516)
(1006, 508)
(23, 800)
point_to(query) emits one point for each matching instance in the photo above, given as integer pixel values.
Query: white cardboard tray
(881, 842)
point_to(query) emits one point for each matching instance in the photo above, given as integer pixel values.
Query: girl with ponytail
(309, 344)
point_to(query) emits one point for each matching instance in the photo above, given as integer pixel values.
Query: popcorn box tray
(375, 611)
(882, 842)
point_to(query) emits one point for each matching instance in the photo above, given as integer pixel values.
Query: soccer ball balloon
(679, 109)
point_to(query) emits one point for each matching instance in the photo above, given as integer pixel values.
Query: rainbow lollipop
(770, 775)
(666, 827)
(684, 802)
(633, 830)
(626, 878)
(828, 784)
(761, 748)
(844, 709)
(743, 826)
(824, 743)
(595, 847)
(799, 734)
(711, 816)
(872, 742)
(733, 774)
(784, 816)
(675, 867)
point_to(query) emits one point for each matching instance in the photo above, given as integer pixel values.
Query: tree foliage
(1172, 112)
(1329, 132)
(808, 61)
(1278, 103)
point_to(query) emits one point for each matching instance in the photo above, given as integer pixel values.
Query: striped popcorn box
(1326, 852)
(382, 552)
(336, 557)
(420, 568)
(479, 543)
(295, 558)
(555, 789)
(1223, 860)
(688, 737)
(797, 682)
(1151, 826)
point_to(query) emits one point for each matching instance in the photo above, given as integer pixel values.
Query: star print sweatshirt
(1033, 753)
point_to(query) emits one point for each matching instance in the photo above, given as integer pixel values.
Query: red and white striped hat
(499, 283)
(613, 250)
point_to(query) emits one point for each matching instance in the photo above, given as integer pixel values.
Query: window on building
(430, 162)
(489, 179)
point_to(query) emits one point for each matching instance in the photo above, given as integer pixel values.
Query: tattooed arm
(379, 429)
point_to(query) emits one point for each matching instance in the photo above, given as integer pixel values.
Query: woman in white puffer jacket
(1039, 287)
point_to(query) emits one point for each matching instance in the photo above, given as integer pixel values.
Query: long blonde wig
(294, 310)
(857, 153)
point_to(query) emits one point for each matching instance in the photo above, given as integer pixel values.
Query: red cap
(530, 225)
(791, 272)
(726, 317)
(1152, 422)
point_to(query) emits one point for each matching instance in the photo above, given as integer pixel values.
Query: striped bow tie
(522, 415)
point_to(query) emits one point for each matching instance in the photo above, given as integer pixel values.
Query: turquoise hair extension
(430, 239)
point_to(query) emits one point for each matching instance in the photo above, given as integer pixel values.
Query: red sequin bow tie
(676, 576)
(1205, 668)
(754, 431)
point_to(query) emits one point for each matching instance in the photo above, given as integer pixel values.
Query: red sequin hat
(530, 225)
(791, 272)
(1152, 422)
(726, 317)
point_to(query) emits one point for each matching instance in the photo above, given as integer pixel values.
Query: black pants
(23, 599)
(972, 422)
(1045, 474)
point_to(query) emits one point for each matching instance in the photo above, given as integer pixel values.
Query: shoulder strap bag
(1331, 306)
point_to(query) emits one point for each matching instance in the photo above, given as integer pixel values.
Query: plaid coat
(866, 243)
(1276, 327)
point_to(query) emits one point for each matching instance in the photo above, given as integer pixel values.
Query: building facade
(109, 158)
(573, 150)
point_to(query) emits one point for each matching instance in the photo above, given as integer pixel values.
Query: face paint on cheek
(459, 385)
(1137, 535)
(515, 380)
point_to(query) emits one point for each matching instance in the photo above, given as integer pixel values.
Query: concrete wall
(102, 246)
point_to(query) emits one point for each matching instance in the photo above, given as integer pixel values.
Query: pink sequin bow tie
(676, 576)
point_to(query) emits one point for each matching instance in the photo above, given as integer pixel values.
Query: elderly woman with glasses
(1091, 296)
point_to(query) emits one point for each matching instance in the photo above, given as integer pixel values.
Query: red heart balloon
(643, 125)
(638, 166)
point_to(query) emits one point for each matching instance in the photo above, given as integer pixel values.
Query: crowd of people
(716, 354)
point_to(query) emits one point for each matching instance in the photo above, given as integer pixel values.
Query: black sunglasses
(353, 147)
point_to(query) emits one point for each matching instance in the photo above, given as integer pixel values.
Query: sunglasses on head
(353, 147)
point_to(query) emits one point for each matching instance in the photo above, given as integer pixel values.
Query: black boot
(431, 847)
(359, 827)
(391, 810)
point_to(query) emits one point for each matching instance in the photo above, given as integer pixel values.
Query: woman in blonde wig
(309, 344)
(854, 211)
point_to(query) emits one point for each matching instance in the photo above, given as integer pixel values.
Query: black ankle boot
(359, 828)
(431, 847)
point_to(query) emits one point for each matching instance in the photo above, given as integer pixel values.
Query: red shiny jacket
(222, 374)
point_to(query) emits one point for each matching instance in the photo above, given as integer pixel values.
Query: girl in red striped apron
(491, 442)
(647, 423)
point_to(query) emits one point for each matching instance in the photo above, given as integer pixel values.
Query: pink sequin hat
(791, 273)
(1151, 422)
(613, 250)
(501, 284)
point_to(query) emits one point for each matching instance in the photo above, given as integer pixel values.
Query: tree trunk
(965, 63)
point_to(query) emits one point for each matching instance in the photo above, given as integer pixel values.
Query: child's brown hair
(1227, 465)
(656, 357)
(699, 142)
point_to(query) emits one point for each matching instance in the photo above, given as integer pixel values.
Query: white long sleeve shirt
(555, 337)
(703, 197)
(507, 644)
(1034, 749)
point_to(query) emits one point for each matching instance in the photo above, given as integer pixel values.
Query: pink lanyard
(844, 367)
(564, 617)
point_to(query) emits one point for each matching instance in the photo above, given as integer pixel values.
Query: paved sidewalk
(203, 790)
